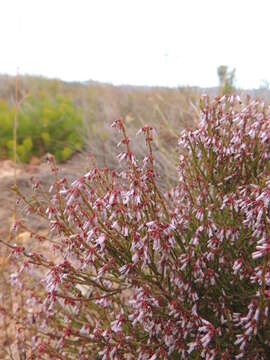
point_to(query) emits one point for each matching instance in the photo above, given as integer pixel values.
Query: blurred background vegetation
(64, 118)
(45, 125)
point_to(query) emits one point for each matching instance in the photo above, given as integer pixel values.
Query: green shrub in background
(44, 125)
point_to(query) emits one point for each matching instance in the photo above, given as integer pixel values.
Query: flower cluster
(142, 274)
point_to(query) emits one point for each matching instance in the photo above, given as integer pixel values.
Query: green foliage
(24, 149)
(44, 125)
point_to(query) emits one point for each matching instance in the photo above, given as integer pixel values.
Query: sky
(139, 42)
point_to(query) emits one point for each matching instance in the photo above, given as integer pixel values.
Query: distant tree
(226, 79)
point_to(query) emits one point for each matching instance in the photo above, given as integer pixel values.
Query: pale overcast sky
(141, 42)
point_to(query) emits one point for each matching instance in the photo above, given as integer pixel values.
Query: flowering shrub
(140, 274)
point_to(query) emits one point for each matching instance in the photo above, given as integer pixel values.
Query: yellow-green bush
(44, 125)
